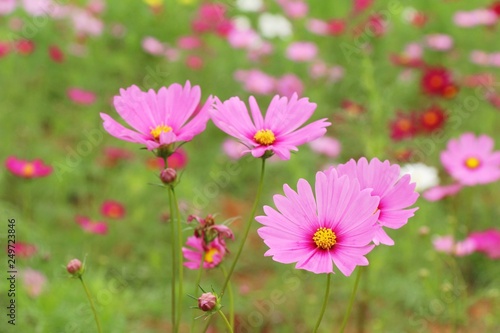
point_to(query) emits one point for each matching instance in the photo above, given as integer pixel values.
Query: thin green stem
(229, 327)
(180, 259)
(91, 305)
(323, 307)
(195, 293)
(174, 259)
(351, 300)
(231, 298)
(247, 228)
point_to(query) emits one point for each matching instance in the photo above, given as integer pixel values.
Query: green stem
(91, 305)
(230, 329)
(180, 258)
(323, 308)
(351, 300)
(195, 293)
(247, 228)
(231, 299)
(174, 259)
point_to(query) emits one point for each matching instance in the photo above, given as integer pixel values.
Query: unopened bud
(75, 267)
(207, 302)
(168, 175)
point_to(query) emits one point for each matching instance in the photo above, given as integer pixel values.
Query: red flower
(438, 81)
(56, 54)
(25, 46)
(112, 209)
(404, 126)
(419, 19)
(24, 250)
(406, 61)
(496, 8)
(432, 119)
(4, 49)
(336, 27)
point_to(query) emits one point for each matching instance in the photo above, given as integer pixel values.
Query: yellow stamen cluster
(28, 170)
(324, 238)
(155, 132)
(264, 137)
(209, 255)
(472, 163)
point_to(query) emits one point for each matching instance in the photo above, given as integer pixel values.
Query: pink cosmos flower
(233, 149)
(289, 84)
(113, 155)
(189, 42)
(80, 96)
(326, 146)
(33, 281)
(244, 38)
(294, 9)
(439, 192)
(337, 225)
(471, 160)
(487, 241)
(439, 42)
(7, 6)
(177, 160)
(479, 57)
(25, 169)
(24, 250)
(395, 193)
(255, 81)
(112, 209)
(159, 119)
(153, 46)
(92, 227)
(301, 51)
(317, 27)
(277, 133)
(448, 245)
(195, 253)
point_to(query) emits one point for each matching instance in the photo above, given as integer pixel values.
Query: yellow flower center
(28, 170)
(155, 132)
(264, 137)
(324, 238)
(472, 163)
(209, 255)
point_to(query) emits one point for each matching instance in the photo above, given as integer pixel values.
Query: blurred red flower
(24, 250)
(112, 209)
(56, 54)
(25, 169)
(93, 227)
(404, 126)
(25, 46)
(432, 118)
(438, 81)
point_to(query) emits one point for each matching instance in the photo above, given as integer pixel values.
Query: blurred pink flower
(7, 6)
(80, 96)
(24, 250)
(335, 226)
(471, 160)
(277, 133)
(189, 42)
(317, 27)
(475, 18)
(196, 252)
(494, 59)
(255, 81)
(211, 17)
(96, 6)
(243, 39)
(93, 227)
(4, 48)
(479, 57)
(38, 7)
(288, 85)
(153, 46)
(439, 192)
(177, 160)
(294, 9)
(194, 62)
(396, 193)
(33, 281)
(448, 245)
(302, 51)
(159, 118)
(487, 241)
(112, 209)
(233, 149)
(113, 155)
(326, 146)
(85, 23)
(25, 169)
(439, 42)
(361, 5)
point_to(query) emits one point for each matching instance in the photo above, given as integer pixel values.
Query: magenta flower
(159, 119)
(80, 96)
(439, 192)
(25, 169)
(277, 133)
(471, 160)
(395, 194)
(112, 209)
(33, 281)
(448, 245)
(487, 241)
(196, 252)
(336, 226)
(92, 227)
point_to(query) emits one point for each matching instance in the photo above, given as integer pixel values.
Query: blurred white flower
(271, 26)
(249, 5)
(425, 176)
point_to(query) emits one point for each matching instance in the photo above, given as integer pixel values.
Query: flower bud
(207, 302)
(75, 267)
(168, 175)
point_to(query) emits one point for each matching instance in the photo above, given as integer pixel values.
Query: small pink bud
(74, 267)
(207, 302)
(168, 175)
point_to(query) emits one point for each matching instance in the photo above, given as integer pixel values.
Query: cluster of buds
(208, 231)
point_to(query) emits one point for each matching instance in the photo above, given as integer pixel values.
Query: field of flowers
(250, 166)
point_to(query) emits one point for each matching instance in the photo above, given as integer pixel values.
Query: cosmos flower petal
(317, 262)
(119, 131)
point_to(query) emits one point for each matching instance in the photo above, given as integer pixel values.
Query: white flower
(425, 176)
(272, 26)
(249, 5)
